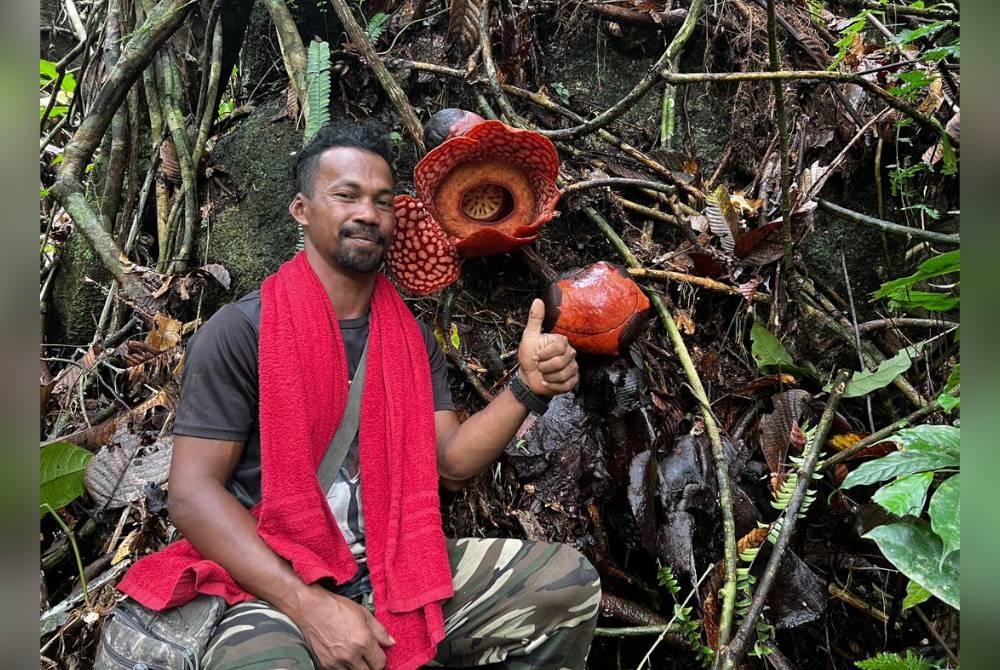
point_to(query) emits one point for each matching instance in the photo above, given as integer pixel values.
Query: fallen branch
(731, 655)
(704, 282)
(927, 123)
(163, 20)
(880, 324)
(890, 430)
(711, 427)
(617, 181)
(887, 226)
(783, 153)
(293, 52)
(389, 85)
(668, 59)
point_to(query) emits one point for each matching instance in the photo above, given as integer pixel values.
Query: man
(243, 492)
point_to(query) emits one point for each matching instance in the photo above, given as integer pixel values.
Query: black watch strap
(526, 396)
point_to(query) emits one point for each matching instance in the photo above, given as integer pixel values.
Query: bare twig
(927, 123)
(163, 20)
(779, 106)
(617, 181)
(887, 226)
(816, 304)
(667, 60)
(936, 635)
(857, 603)
(711, 427)
(857, 333)
(904, 322)
(890, 430)
(704, 282)
(648, 212)
(293, 52)
(730, 655)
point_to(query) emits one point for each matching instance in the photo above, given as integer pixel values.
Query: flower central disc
(487, 203)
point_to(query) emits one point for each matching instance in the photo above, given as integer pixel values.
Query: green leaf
(61, 467)
(887, 661)
(897, 464)
(915, 594)
(767, 350)
(954, 379)
(863, 383)
(47, 71)
(917, 33)
(949, 161)
(945, 513)
(916, 551)
(948, 402)
(940, 53)
(932, 439)
(900, 292)
(906, 495)
(317, 87)
(929, 300)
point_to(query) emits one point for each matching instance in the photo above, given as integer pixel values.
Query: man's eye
(385, 204)
(343, 196)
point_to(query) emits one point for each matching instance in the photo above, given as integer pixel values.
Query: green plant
(376, 26)
(61, 466)
(689, 628)
(925, 550)
(48, 81)
(902, 293)
(886, 661)
(317, 88)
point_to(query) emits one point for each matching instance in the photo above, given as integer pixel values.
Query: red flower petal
(520, 164)
(420, 256)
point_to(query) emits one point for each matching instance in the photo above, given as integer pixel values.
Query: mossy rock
(253, 234)
(76, 300)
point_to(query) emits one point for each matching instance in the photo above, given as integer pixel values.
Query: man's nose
(366, 211)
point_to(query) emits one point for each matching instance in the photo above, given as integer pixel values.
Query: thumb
(380, 634)
(535, 317)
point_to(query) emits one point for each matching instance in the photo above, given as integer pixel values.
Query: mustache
(363, 232)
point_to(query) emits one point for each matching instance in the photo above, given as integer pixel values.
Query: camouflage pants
(518, 605)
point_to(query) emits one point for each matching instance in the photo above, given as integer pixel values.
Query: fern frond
(317, 88)
(376, 26)
(887, 661)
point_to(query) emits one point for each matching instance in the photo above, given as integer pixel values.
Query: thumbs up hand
(548, 361)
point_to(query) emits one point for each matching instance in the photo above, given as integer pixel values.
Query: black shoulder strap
(348, 428)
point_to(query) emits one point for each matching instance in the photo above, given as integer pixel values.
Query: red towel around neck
(303, 392)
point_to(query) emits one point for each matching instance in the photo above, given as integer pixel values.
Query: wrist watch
(526, 396)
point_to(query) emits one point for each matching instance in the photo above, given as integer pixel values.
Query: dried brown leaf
(166, 333)
(118, 474)
(463, 25)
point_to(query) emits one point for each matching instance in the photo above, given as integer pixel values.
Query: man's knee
(571, 586)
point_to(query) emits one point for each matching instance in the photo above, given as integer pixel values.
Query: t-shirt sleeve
(439, 370)
(219, 392)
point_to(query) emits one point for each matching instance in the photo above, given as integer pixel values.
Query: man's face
(349, 218)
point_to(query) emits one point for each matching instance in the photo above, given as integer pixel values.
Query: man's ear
(297, 209)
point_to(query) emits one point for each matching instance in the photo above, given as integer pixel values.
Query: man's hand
(341, 634)
(548, 362)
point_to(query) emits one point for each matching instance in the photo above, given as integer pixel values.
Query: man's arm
(547, 365)
(340, 632)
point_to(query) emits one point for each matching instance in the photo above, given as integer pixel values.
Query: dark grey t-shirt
(219, 392)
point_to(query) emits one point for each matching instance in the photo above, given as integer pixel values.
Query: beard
(361, 258)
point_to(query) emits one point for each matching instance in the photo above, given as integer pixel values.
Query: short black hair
(367, 135)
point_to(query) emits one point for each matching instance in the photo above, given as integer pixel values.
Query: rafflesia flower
(599, 309)
(484, 191)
